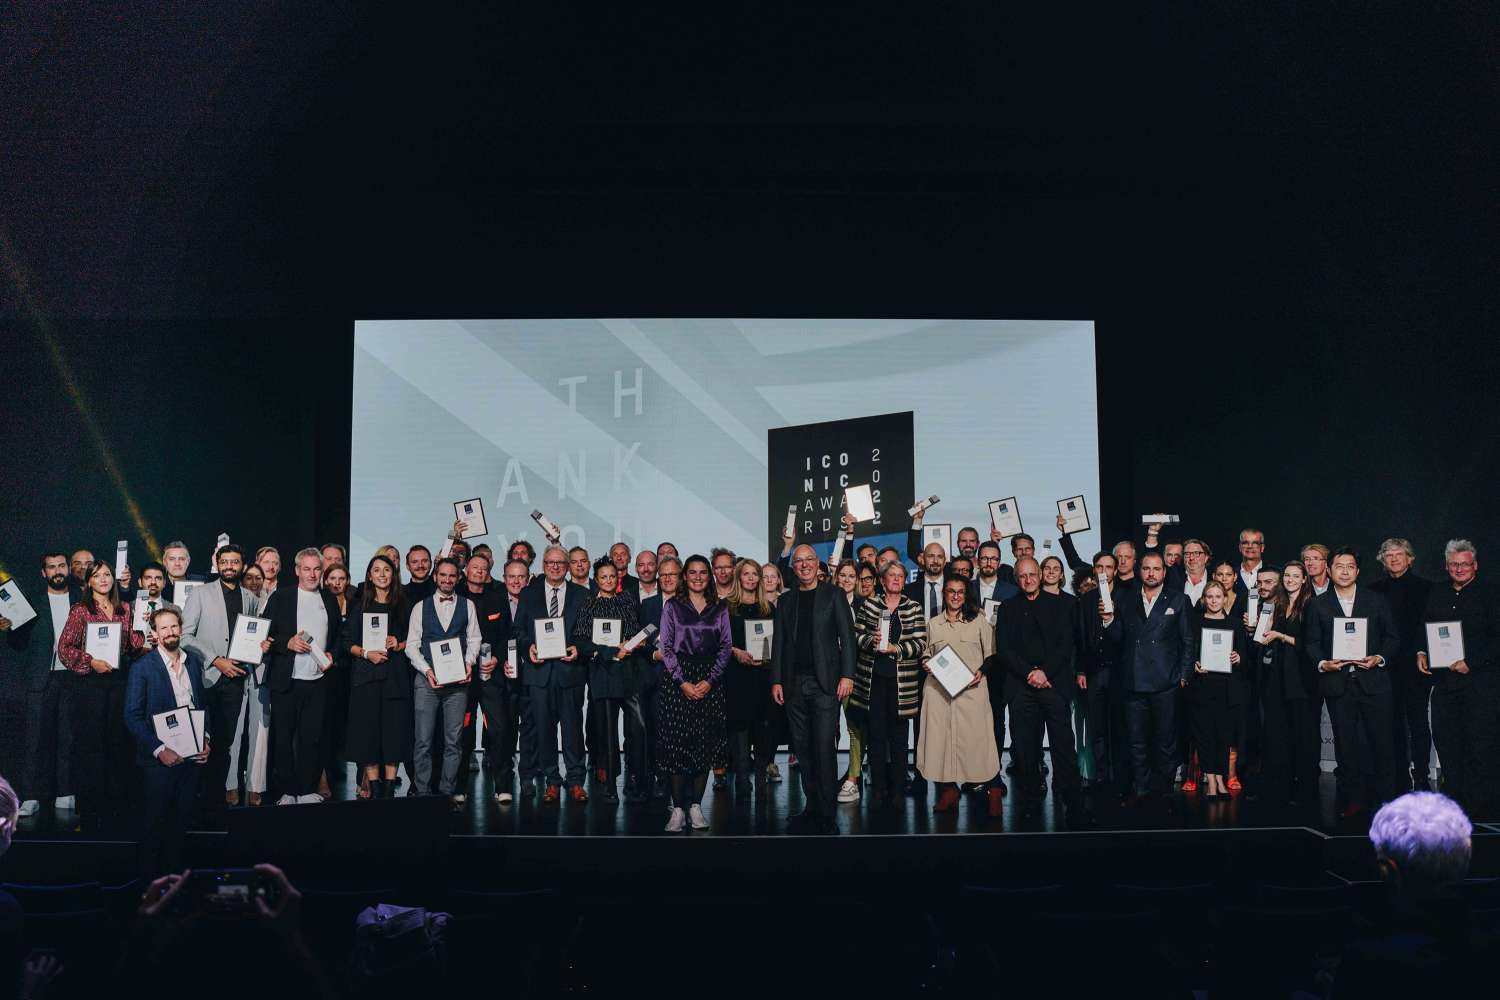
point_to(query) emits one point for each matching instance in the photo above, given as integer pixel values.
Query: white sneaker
(503, 798)
(65, 802)
(674, 821)
(309, 798)
(29, 807)
(849, 792)
(287, 800)
(696, 817)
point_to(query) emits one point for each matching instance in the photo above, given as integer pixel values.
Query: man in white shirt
(927, 590)
(1195, 555)
(1252, 546)
(441, 618)
(304, 627)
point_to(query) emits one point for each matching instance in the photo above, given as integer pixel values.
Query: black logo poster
(810, 465)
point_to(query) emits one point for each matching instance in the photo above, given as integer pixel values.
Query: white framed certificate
(1445, 644)
(448, 661)
(991, 610)
(471, 512)
(1075, 514)
(1263, 622)
(758, 635)
(181, 589)
(375, 627)
(1005, 515)
(940, 533)
(1106, 599)
(175, 730)
(244, 644)
(14, 605)
(102, 642)
(1349, 638)
(551, 639)
(606, 632)
(122, 556)
(1214, 647)
(950, 670)
(860, 502)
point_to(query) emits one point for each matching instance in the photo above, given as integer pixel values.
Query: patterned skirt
(690, 734)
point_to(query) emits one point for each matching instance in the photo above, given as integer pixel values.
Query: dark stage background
(1281, 218)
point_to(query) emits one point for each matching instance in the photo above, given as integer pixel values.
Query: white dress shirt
(445, 612)
(648, 590)
(1248, 576)
(312, 618)
(1150, 602)
(1194, 591)
(182, 686)
(58, 604)
(1346, 604)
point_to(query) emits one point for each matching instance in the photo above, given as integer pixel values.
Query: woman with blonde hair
(747, 681)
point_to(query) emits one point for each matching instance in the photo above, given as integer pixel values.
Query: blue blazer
(1155, 653)
(148, 692)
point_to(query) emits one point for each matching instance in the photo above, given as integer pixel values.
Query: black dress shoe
(610, 795)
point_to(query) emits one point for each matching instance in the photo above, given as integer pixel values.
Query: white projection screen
(644, 430)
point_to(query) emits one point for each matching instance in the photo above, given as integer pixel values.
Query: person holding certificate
(891, 637)
(605, 622)
(1216, 687)
(643, 779)
(442, 644)
(381, 726)
(847, 577)
(97, 645)
(747, 682)
(1352, 636)
(957, 743)
(1288, 692)
(696, 647)
(553, 674)
(1407, 594)
(1460, 642)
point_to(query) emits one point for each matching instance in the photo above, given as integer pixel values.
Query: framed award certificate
(244, 645)
(1074, 513)
(1445, 644)
(14, 605)
(950, 670)
(991, 610)
(1214, 647)
(1349, 638)
(940, 533)
(448, 661)
(606, 632)
(376, 628)
(551, 639)
(758, 635)
(175, 729)
(860, 502)
(181, 589)
(103, 642)
(471, 512)
(1263, 623)
(1005, 515)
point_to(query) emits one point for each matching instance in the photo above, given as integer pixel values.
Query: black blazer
(33, 644)
(281, 608)
(1155, 653)
(1382, 638)
(1055, 616)
(917, 591)
(833, 637)
(533, 606)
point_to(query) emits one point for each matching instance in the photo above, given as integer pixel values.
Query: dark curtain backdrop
(1281, 217)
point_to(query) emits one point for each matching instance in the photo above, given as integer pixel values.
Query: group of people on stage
(741, 657)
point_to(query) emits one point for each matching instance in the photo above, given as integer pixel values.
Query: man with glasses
(554, 687)
(1407, 594)
(1252, 547)
(648, 782)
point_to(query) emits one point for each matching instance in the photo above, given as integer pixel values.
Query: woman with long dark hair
(1289, 699)
(381, 725)
(695, 651)
(611, 677)
(957, 735)
(336, 719)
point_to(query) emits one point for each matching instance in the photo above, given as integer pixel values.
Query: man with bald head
(812, 671)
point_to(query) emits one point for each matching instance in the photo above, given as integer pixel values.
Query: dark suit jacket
(834, 652)
(1154, 653)
(34, 643)
(281, 608)
(917, 591)
(1055, 616)
(1003, 591)
(1382, 638)
(148, 692)
(533, 606)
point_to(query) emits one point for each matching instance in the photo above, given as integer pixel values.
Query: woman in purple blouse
(695, 650)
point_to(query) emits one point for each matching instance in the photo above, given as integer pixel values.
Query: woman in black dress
(611, 673)
(747, 681)
(381, 725)
(695, 651)
(1215, 697)
(1289, 699)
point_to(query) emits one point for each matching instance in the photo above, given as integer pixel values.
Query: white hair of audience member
(1395, 545)
(1457, 545)
(10, 809)
(309, 551)
(1425, 837)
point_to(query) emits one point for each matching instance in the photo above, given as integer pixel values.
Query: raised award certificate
(448, 661)
(758, 635)
(1349, 638)
(1074, 513)
(181, 589)
(103, 642)
(471, 512)
(14, 605)
(1445, 644)
(940, 533)
(950, 670)
(244, 645)
(1214, 647)
(551, 639)
(1005, 515)
(860, 502)
(606, 632)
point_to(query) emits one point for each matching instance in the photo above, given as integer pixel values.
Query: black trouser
(221, 708)
(499, 698)
(297, 725)
(638, 732)
(1413, 735)
(604, 724)
(996, 688)
(105, 752)
(1212, 720)
(1466, 725)
(1294, 750)
(1151, 721)
(554, 708)
(51, 740)
(1106, 727)
(1368, 760)
(812, 716)
(885, 738)
(1032, 710)
(168, 810)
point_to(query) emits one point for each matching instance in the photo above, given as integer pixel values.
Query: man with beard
(269, 561)
(164, 679)
(419, 565)
(723, 561)
(49, 697)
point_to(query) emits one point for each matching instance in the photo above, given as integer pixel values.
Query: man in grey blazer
(207, 625)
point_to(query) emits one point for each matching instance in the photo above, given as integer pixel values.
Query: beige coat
(957, 741)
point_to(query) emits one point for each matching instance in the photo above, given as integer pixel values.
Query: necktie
(553, 612)
(932, 600)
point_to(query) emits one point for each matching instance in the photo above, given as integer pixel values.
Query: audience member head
(1084, 580)
(445, 574)
(889, 554)
(477, 571)
(1028, 576)
(1396, 555)
(988, 555)
(1422, 847)
(1022, 546)
(962, 565)
(968, 540)
(669, 576)
(230, 562)
(1344, 567)
(722, 563)
(846, 577)
(805, 566)
(579, 564)
(1252, 546)
(101, 589)
(458, 551)
(893, 578)
(1314, 560)
(1052, 572)
(419, 563)
(1294, 592)
(336, 579)
(555, 564)
(1225, 574)
(666, 549)
(1106, 563)
(55, 570)
(1267, 582)
(956, 599)
(333, 552)
(381, 575)
(253, 579)
(867, 554)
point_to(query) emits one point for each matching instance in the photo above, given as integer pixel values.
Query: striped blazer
(911, 644)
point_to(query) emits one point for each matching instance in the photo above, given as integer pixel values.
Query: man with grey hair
(1411, 690)
(1466, 699)
(1422, 845)
(176, 558)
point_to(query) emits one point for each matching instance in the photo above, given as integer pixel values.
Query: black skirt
(690, 734)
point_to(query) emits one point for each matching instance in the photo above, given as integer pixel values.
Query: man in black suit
(554, 688)
(1034, 646)
(48, 689)
(488, 598)
(1153, 629)
(507, 723)
(1358, 691)
(641, 764)
(619, 554)
(812, 671)
(1407, 593)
